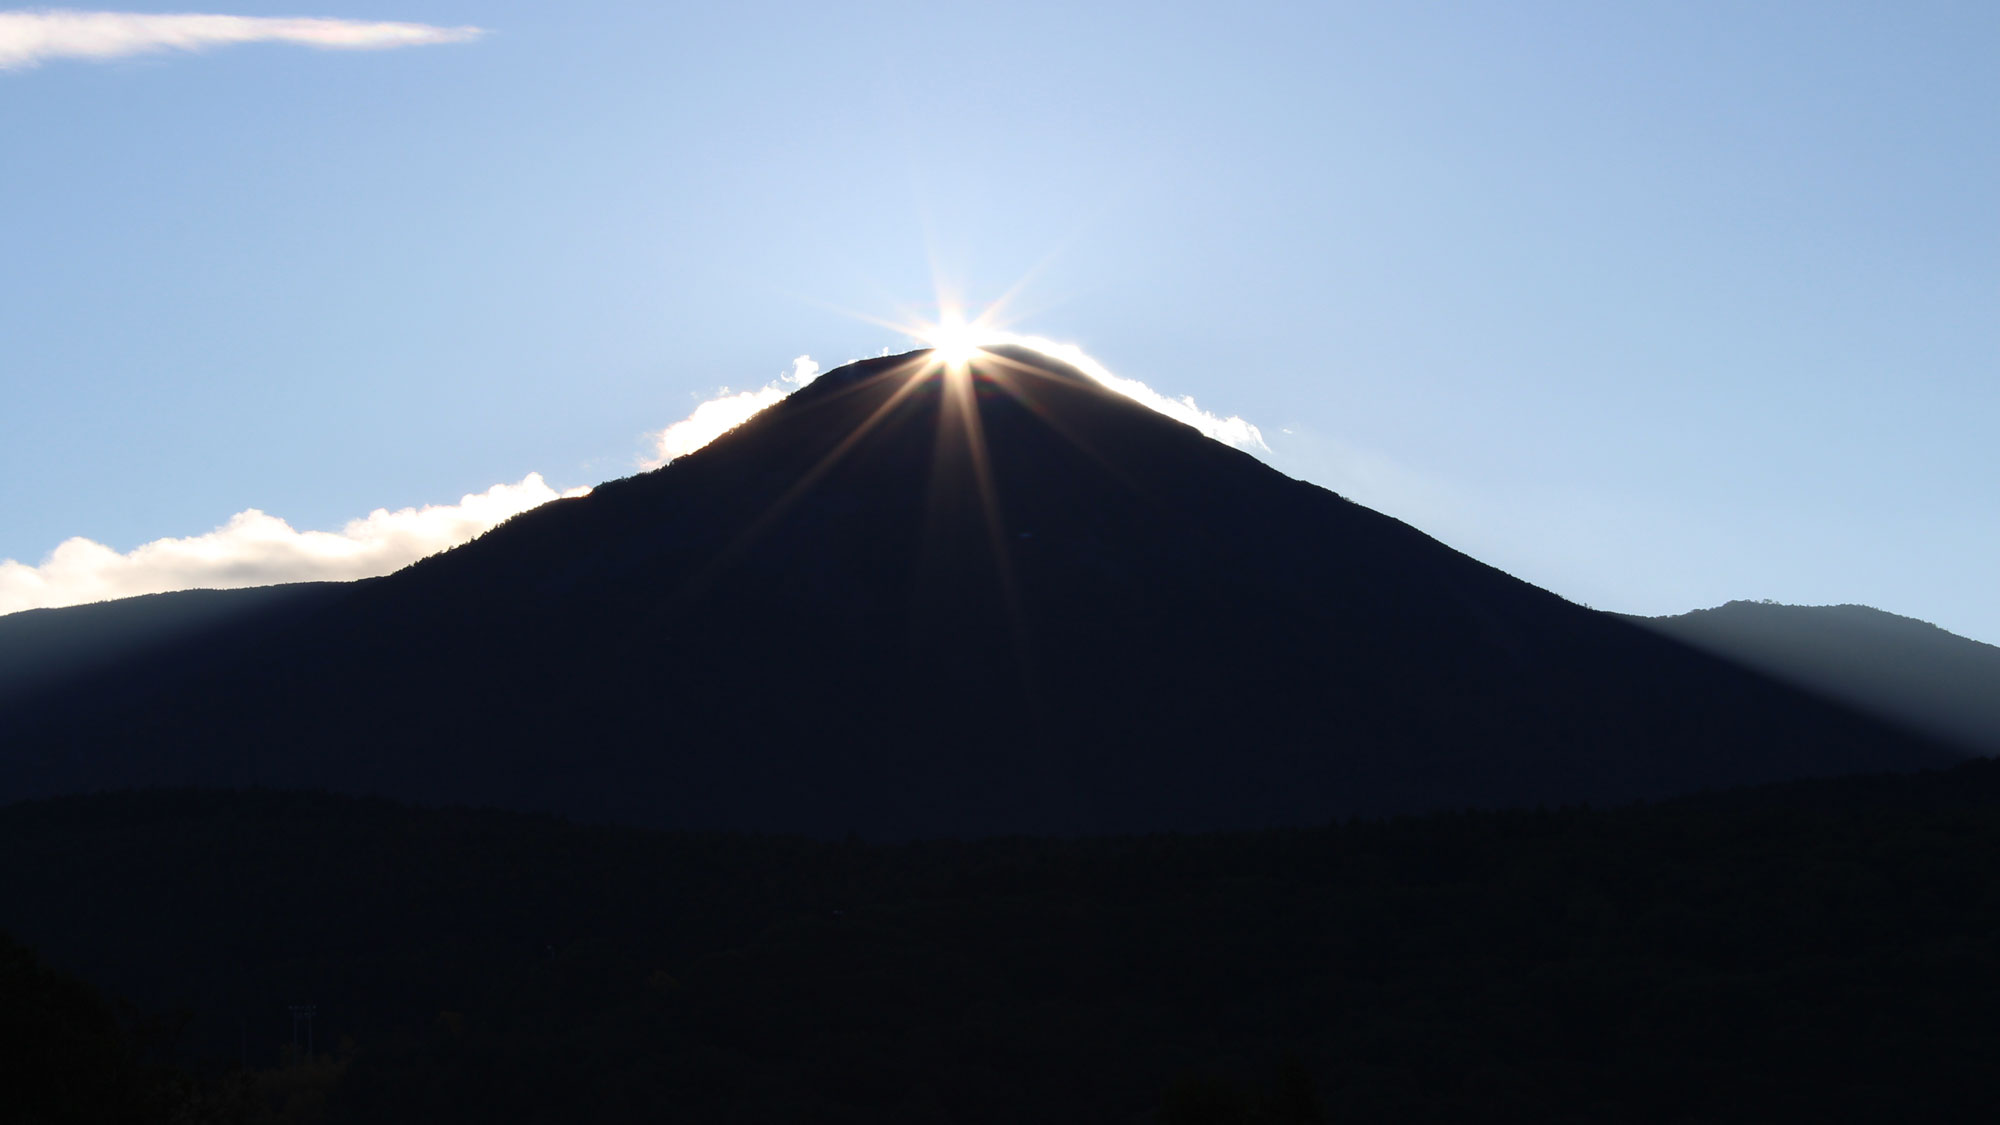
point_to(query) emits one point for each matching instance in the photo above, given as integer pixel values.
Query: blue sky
(1655, 305)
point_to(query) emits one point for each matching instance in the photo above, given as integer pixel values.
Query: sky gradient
(1655, 305)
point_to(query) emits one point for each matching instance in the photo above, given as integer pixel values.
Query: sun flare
(955, 340)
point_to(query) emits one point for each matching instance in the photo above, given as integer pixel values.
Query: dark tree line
(1816, 952)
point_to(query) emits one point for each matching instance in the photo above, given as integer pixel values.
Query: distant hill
(1899, 668)
(907, 603)
(43, 648)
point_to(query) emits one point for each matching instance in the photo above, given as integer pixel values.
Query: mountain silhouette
(909, 602)
(41, 649)
(1905, 670)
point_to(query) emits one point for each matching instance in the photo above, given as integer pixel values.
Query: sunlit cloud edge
(956, 341)
(1233, 430)
(722, 413)
(254, 548)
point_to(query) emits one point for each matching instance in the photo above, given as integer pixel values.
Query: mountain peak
(911, 600)
(998, 362)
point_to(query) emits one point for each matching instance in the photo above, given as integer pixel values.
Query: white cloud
(28, 38)
(729, 409)
(256, 549)
(1229, 431)
(725, 412)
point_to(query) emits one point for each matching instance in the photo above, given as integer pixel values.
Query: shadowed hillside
(907, 604)
(1902, 669)
(1821, 952)
(44, 648)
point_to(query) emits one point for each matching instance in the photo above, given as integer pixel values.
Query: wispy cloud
(256, 549)
(723, 413)
(30, 37)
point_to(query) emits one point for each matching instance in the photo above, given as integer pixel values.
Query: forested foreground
(1819, 952)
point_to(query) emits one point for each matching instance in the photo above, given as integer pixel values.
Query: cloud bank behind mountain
(258, 549)
(724, 412)
(255, 548)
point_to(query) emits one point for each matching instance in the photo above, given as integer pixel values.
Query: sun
(956, 335)
(954, 345)
(954, 340)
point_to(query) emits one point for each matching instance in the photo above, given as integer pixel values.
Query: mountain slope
(1900, 668)
(873, 608)
(40, 649)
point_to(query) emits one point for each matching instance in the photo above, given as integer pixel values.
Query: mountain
(907, 602)
(1899, 668)
(43, 648)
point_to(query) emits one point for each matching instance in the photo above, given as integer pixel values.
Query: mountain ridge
(908, 603)
(1900, 668)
